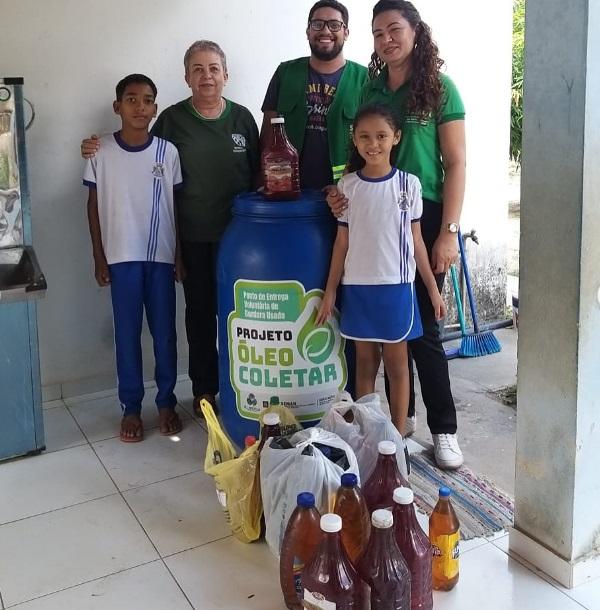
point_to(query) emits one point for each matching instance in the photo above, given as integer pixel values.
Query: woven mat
(480, 506)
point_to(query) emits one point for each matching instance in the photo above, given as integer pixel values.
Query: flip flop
(139, 433)
(173, 416)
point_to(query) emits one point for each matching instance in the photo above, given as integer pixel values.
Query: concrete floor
(486, 427)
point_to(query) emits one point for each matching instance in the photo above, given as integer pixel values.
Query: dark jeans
(427, 351)
(200, 289)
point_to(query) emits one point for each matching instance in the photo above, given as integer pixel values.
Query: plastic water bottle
(350, 505)
(329, 580)
(383, 568)
(444, 534)
(379, 489)
(300, 541)
(415, 548)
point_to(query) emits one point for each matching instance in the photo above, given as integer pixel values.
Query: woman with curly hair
(405, 74)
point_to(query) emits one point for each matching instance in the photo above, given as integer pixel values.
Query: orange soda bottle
(329, 579)
(444, 534)
(382, 566)
(415, 548)
(379, 488)
(352, 508)
(300, 541)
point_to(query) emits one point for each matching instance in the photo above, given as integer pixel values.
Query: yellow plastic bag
(219, 448)
(239, 494)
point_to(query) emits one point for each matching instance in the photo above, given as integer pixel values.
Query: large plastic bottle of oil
(329, 580)
(379, 489)
(382, 566)
(300, 541)
(350, 505)
(444, 534)
(281, 177)
(415, 548)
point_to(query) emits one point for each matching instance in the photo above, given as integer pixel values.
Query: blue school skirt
(385, 313)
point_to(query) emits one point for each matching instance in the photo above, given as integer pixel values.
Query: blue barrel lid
(310, 204)
(349, 479)
(306, 499)
(445, 491)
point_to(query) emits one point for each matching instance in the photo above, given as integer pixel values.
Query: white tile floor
(96, 524)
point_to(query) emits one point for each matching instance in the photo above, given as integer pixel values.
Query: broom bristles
(480, 344)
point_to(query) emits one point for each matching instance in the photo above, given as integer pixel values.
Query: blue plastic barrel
(273, 263)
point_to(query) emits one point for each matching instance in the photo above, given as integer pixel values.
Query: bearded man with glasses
(318, 96)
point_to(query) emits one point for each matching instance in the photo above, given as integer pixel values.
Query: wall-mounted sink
(20, 275)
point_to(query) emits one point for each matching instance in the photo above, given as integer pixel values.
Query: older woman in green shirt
(405, 73)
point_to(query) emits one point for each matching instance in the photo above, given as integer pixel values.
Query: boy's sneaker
(411, 426)
(446, 451)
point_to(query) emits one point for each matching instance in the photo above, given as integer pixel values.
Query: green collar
(195, 113)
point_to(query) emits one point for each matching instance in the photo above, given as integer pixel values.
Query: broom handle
(459, 305)
(465, 266)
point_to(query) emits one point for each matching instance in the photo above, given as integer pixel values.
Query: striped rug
(481, 508)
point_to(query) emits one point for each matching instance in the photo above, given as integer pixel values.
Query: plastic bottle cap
(271, 419)
(277, 120)
(445, 491)
(382, 518)
(331, 523)
(403, 495)
(387, 447)
(249, 440)
(349, 480)
(306, 500)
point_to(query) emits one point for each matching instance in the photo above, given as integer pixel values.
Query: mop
(478, 343)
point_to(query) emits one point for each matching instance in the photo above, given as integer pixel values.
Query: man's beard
(326, 55)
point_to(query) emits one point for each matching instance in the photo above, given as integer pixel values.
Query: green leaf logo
(315, 343)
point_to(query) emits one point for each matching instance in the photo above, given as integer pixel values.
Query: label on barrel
(276, 351)
(445, 554)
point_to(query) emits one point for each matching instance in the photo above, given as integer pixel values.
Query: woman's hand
(439, 307)
(326, 309)
(444, 252)
(336, 201)
(90, 146)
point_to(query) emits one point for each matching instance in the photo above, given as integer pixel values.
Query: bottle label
(445, 554)
(278, 177)
(316, 601)
(298, 567)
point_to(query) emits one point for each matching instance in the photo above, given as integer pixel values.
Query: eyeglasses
(333, 24)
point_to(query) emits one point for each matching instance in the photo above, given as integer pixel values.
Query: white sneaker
(447, 452)
(411, 426)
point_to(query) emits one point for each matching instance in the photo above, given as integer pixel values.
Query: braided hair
(425, 93)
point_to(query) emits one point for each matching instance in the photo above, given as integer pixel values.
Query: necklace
(210, 118)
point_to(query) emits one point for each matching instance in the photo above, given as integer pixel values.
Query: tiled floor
(96, 524)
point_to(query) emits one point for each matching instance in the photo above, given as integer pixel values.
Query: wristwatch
(452, 227)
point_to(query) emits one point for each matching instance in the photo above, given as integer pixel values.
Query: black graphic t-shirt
(315, 165)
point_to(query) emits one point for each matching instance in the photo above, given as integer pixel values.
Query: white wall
(72, 53)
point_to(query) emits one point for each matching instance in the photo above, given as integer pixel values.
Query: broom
(463, 350)
(479, 343)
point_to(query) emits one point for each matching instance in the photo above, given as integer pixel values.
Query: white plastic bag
(368, 426)
(303, 463)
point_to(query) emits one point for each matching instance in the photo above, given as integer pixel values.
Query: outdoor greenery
(516, 110)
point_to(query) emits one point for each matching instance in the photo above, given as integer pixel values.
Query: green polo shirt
(219, 160)
(419, 151)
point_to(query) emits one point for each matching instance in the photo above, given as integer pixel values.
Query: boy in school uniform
(133, 228)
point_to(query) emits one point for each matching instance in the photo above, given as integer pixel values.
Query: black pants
(427, 351)
(200, 289)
